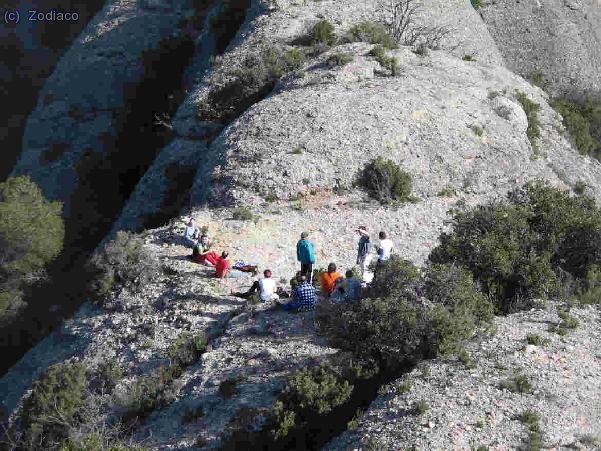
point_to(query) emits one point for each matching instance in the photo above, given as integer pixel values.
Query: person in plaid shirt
(303, 297)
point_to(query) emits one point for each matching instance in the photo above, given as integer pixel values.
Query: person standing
(385, 248)
(363, 249)
(305, 254)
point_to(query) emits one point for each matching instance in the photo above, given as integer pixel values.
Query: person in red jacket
(222, 266)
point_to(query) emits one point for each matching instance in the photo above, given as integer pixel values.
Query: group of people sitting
(203, 254)
(302, 294)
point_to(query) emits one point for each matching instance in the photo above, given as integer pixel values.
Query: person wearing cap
(266, 287)
(363, 248)
(305, 254)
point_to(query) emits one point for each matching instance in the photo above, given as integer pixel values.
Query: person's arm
(298, 251)
(311, 252)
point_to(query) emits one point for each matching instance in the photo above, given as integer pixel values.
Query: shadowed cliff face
(28, 52)
(104, 148)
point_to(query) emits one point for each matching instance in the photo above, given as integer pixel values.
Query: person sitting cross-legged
(303, 297)
(202, 252)
(191, 234)
(266, 287)
(222, 266)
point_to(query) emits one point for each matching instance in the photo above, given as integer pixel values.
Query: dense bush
(390, 63)
(52, 406)
(340, 59)
(31, 235)
(122, 263)
(97, 442)
(583, 122)
(372, 32)
(389, 330)
(395, 277)
(460, 307)
(323, 33)
(186, 349)
(308, 393)
(385, 181)
(253, 80)
(517, 249)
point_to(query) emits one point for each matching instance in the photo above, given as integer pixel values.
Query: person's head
(191, 222)
(382, 235)
(304, 235)
(224, 254)
(302, 278)
(332, 267)
(361, 228)
(349, 274)
(204, 239)
(267, 273)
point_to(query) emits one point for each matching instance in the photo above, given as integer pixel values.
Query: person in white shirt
(191, 234)
(385, 248)
(266, 287)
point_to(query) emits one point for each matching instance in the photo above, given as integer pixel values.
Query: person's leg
(212, 257)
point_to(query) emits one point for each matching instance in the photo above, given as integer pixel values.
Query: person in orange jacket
(329, 278)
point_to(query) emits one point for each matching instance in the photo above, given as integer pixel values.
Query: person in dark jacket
(305, 255)
(363, 248)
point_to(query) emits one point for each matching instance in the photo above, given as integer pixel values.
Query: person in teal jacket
(305, 255)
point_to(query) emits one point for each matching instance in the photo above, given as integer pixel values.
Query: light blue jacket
(305, 252)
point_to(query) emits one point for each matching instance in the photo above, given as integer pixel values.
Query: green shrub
(389, 330)
(186, 349)
(518, 384)
(385, 181)
(372, 32)
(531, 109)
(516, 249)
(123, 262)
(242, 214)
(340, 59)
(477, 3)
(421, 407)
(590, 293)
(396, 277)
(309, 392)
(537, 78)
(97, 442)
(390, 63)
(583, 122)
(53, 405)
(468, 57)
(31, 236)
(567, 322)
(537, 340)
(447, 191)
(532, 419)
(477, 129)
(323, 33)
(108, 374)
(253, 80)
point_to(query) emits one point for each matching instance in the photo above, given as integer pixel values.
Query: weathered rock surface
(560, 38)
(468, 408)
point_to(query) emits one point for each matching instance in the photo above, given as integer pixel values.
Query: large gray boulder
(560, 38)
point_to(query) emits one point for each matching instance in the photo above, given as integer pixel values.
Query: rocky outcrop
(560, 38)
(469, 407)
(96, 110)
